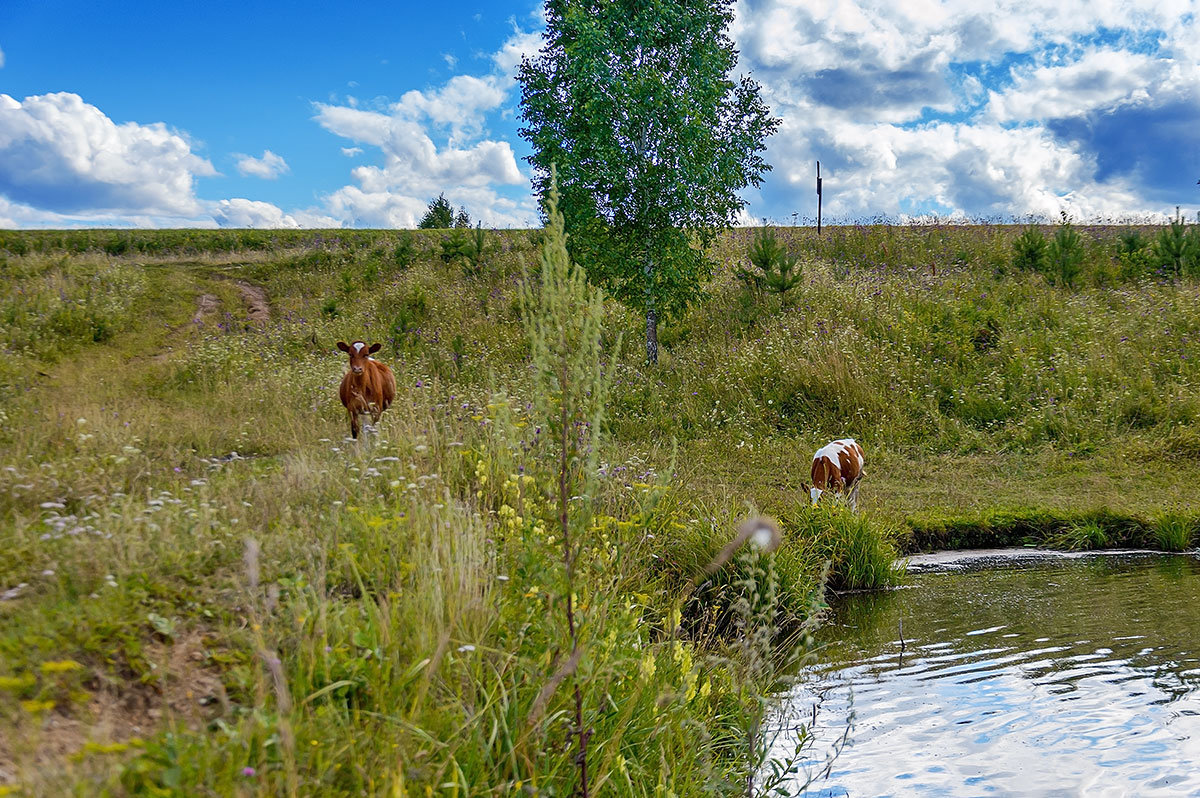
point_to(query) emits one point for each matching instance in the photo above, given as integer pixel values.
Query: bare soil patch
(257, 307)
(190, 693)
(206, 306)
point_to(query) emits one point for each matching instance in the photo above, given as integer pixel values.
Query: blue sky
(311, 114)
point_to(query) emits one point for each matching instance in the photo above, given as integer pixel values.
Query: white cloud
(268, 167)
(1099, 79)
(239, 212)
(460, 105)
(350, 152)
(62, 155)
(934, 105)
(522, 44)
(434, 141)
(1, 57)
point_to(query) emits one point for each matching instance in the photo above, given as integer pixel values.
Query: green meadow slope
(208, 590)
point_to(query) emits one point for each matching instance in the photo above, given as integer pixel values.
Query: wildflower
(15, 683)
(34, 707)
(249, 771)
(648, 666)
(60, 666)
(466, 648)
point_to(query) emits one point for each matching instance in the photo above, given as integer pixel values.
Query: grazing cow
(368, 387)
(838, 467)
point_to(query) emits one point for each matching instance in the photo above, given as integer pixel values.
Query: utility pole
(818, 198)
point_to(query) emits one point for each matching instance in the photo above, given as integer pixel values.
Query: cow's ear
(342, 345)
(374, 348)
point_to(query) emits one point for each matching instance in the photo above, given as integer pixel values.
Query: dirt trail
(206, 306)
(189, 691)
(257, 307)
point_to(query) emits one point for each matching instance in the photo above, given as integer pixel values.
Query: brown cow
(838, 467)
(369, 386)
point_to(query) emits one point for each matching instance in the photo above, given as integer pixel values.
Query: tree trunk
(651, 314)
(652, 336)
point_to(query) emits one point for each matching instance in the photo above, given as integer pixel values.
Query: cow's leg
(854, 495)
(353, 424)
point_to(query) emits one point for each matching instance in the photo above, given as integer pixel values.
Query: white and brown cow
(368, 387)
(837, 467)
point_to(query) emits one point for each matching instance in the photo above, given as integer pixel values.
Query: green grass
(403, 608)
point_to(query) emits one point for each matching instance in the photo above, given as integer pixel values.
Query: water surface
(1074, 677)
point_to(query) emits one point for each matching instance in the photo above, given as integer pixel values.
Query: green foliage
(1174, 531)
(1079, 536)
(438, 216)
(1064, 256)
(472, 249)
(405, 252)
(1176, 249)
(455, 246)
(1029, 250)
(61, 305)
(462, 220)
(408, 611)
(652, 140)
(861, 550)
(773, 268)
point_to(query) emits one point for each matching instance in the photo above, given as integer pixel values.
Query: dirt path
(206, 306)
(257, 307)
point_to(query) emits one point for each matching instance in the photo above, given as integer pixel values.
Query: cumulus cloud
(434, 141)
(350, 152)
(1036, 107)
(521, 44)
(62, 155)
(239, 212)
(268, 167)
(1100, 78)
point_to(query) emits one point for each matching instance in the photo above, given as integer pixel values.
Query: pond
(1073, 676)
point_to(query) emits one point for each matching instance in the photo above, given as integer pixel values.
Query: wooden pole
(818, 198)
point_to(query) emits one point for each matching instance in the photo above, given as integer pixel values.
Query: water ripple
(1079, 678)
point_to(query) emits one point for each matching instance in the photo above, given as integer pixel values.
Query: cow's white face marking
(359, 346)
(815, 493)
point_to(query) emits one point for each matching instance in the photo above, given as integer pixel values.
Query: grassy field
(210, 591)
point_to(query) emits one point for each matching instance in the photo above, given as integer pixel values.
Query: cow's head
(359, 354)
(813, 493)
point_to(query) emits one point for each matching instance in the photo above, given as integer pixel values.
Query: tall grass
(406, 605)
(195, 551)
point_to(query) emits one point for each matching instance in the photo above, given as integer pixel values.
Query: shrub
(1029, 250)
(1176, 250)
(773, 267)
(1064, 256)
(405, 252)
(454, 246)
(474, 250)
